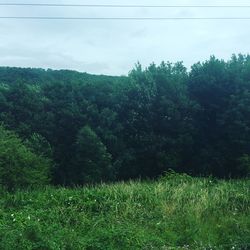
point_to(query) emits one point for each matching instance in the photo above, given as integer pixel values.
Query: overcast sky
(113, 47)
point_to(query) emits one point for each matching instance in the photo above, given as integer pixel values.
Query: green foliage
(139, 126)
(92, 162)
(221, 90)
(171, 175)
(177, 212)
(244, 165)
(156, 118)
(39, 145)
(19, 166)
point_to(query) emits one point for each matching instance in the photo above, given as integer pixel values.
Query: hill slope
(195, 122)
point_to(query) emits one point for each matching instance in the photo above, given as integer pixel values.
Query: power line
(124, 18)
(122, 6)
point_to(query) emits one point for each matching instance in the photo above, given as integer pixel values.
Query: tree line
(70, 128)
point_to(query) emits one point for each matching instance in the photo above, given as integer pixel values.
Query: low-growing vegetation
(175, 212)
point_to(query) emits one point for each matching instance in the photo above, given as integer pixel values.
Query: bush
(172, 176)
(19, 166)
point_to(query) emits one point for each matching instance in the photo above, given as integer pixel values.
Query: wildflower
(12, 215)
(14, 220)
(28, 217)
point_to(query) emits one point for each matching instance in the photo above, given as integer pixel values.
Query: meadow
(174, 212)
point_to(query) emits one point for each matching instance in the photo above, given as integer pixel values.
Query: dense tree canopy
(99, 128)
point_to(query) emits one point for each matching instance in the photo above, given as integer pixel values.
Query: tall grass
(176, 212)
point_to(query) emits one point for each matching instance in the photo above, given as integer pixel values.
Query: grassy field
(176, 212)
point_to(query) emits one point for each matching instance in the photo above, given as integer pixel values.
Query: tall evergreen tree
(92, 162)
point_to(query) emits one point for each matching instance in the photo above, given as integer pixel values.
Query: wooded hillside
(101, 128)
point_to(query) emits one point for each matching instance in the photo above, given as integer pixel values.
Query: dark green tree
(92, 162)
(221, 90)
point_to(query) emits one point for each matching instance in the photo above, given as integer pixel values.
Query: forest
(63, 127)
